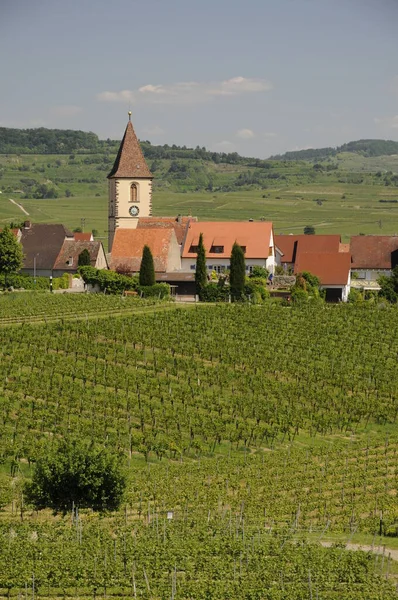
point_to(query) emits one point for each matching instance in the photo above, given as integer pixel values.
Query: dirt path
(377, 549)
(19, 206)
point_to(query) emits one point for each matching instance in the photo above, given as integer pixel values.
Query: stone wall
(283, 281)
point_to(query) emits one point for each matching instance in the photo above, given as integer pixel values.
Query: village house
(51, 250)
(372, 256)
(256, 239)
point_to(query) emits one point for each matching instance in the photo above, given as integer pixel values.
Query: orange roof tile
(83, 237)
(179, 224)
(332, 268)
(128, 245)
(130, 161)
(256, 236)
(374, 251)
(291, 244)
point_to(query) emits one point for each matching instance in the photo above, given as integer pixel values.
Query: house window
(210, 267)
(361, 274)
(193, 267)
(219, 268)
(194, 249)
(217, 249)
(134, 193)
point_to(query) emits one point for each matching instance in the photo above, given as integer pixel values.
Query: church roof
(130, 161)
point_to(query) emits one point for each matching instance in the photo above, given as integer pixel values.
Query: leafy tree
(201, 272)
(389, 286)
(237, 271)
(259, 272)
(11, 254)
(95, 233)
(79, 474)
(147, 268)
(309, 230)
(84, 258)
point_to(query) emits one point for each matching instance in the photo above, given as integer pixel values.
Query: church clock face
(134, 210)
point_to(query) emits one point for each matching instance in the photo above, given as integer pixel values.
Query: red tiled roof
(291, 244)
(179, 224)
(130, 161)
(128, 245)
(256, 236)
(332, 268)
(83, 237)
(71, 250)
(374, 251)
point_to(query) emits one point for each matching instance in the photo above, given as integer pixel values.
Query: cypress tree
(84, 259)
(237, 271)
(201, 272)
(147, 269)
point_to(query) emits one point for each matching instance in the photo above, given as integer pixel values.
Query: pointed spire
(130, 161)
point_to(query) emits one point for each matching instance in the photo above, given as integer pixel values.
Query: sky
(258, 77)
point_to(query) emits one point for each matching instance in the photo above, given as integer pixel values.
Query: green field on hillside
(249, 435)
(350, 194)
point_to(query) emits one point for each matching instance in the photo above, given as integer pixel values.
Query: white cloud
(189, 92)
(245, 134)
(390, 122)
(123, 96)
(65, 111)
(270, 134)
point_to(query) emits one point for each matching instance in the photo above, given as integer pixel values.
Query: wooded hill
(366, 148)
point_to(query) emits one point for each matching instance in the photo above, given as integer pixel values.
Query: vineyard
(249, 433)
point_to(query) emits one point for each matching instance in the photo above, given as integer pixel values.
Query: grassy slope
(290, 203)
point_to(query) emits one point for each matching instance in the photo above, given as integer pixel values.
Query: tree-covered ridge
(364, 147)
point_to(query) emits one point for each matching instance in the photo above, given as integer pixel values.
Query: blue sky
(254, 76)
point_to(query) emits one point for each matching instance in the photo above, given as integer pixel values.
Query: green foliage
(309, 230)
(355, 296)
(201, 270)
(212, 292)
(259, 273)
(84, 258)
(237, 274)
(389, 286)
(21, 281)
(307, 285)
(108, 281)
(255, 287)
(11, 254)
(147, 268)
(61, 283)
(75, 473)
(157, 290)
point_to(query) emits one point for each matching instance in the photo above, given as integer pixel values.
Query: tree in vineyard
(75, 473)
(237, 271)
(11, 255)
(200, 272)
(147, 268)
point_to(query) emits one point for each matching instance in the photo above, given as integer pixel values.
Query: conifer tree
(11, 255)
(84, 259)
(147, 269)
(201, 272)
(237, 271)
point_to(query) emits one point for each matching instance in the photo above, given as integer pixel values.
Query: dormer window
(243, 249)
(134, 193)
(216, 249)
(69, 262)
(194, 249)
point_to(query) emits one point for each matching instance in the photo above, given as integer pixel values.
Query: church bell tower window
(134, 193)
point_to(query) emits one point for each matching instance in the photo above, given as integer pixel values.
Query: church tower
(130, 186)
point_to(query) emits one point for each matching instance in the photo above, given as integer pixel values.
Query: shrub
(212, 292)
(75, 473)
(147, 268)
(161, 290)
(109, 281)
